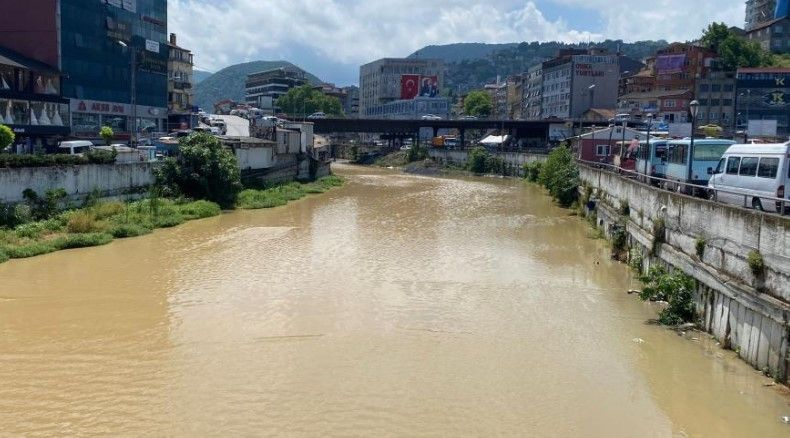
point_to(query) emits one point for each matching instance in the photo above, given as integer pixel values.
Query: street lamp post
(133, 65)
(648, 156)
(694, 110)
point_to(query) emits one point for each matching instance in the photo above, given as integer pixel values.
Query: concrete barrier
(78, 181)
(746, 312)
(458, 157)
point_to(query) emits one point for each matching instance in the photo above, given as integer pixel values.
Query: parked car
(431, 117)
(748, 172)
(317, 115)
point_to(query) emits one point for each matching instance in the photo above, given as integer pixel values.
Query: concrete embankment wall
(78, 181)
(746, 312)
(513, 159)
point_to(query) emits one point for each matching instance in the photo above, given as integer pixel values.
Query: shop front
(88, 117)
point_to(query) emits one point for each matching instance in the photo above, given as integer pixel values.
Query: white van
(751, 172)
(74, 147)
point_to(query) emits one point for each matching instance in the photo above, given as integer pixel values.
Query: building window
(602, 150)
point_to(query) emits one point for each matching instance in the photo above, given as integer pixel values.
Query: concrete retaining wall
(458, 157)
(748, 313)
(78, 181)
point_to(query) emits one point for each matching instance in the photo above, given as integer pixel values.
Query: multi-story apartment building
(759, 12)
(393, 79)
(773, 36)
(576, 81)
(716, 96)
(533, 92)
(351, 102)
(515, 97)
(31, 103)
(498, 93)
(99, 47)
(180, 111)
(262, 89)
(763, 94)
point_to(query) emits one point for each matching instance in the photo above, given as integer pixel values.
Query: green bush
(99, 156)
(676, 288)
(122, 231)
(204, 169)
(291, 191)
(476, 160)
(560, 175)
(4, 257)
(7, 137)
(83, 240)
(199, 210)
(699, 246)
(532, 170)
(255, 199)
(331, 181)
(636, 260)
(104, 210)
(756, 263)
(83, 221)
(30, 250)
(107, 134)
(46, 207)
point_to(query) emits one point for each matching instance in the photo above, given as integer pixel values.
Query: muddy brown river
(396, 305)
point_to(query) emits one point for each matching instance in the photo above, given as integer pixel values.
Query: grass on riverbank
(102, 222)
(99, 224)
(252, 199)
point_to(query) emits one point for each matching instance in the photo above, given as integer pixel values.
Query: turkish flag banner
(409, 86)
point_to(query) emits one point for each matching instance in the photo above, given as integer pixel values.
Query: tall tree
(305, 100)
(478, 103)
(733, 50)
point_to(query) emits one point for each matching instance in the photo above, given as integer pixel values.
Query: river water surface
(396, 305)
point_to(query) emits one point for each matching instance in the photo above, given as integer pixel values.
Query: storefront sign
(88, 106)
(152, 46)
(113, 108)
(587, 70)
(777, 98)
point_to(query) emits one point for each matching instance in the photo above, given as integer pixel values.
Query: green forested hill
(470, 66)
(228, 83)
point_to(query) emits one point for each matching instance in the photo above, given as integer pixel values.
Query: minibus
(747, 174)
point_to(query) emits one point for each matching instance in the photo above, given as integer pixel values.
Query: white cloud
(352, 32)
(671, 20)
(341, 34)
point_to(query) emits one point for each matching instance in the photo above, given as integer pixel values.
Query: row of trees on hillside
(305, 100)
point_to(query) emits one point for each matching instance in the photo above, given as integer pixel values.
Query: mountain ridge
(228, 83)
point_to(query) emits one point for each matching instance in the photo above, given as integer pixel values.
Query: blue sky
(331, 38)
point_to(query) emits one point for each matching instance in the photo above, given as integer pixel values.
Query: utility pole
(133, 139)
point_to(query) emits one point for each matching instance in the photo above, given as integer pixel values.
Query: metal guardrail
(690, 188)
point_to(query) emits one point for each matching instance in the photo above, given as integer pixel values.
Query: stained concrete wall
(458, 157)
(748, 313)
(77, 181)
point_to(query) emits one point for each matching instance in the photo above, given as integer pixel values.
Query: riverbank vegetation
(675, 288)
(95, 223)
(559, 174)
(199, 184)
(276, 196)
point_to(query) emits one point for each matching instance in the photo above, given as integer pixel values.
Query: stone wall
(77, 181)
(746, 312)
(513, 159)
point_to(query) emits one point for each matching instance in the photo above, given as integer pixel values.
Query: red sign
(409, 86)
(101, 107)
